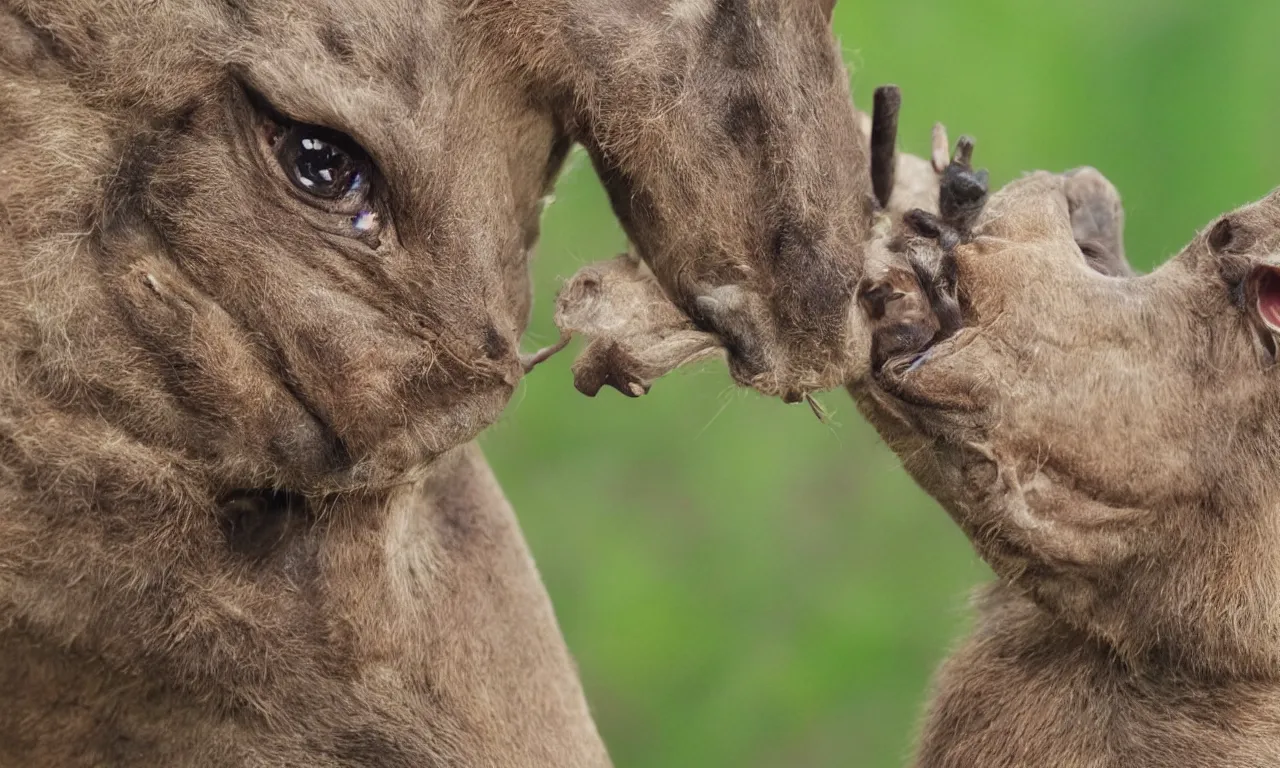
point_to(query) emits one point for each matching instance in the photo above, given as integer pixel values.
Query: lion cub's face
(312, 226)
(1107, 442)
(1141, 391)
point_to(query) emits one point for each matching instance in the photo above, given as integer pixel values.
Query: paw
(946, 185)
(909, 308)
(963, 190)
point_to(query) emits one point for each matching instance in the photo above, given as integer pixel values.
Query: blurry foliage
(744, 586)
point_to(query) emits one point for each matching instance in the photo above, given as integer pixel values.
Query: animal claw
(941, 155)
(963, 191)
(884, 141)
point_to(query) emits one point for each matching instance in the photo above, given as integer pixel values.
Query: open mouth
(1267, 286)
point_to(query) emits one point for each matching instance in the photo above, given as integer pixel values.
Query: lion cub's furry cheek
(219, 371)
(392, 360)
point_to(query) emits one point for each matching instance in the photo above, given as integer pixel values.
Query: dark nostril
(742, 350)
(1221, 235)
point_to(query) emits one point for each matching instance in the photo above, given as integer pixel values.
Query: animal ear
(828, 6)
(1224, 236)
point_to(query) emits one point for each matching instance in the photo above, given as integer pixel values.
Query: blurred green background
(744, 586)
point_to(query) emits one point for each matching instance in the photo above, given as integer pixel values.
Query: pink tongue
(1269, 298)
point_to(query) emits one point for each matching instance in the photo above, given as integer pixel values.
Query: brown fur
(242, 521)
(1109, 446)
(636, 333)
(723, 132)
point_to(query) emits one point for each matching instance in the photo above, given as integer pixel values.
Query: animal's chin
(790, 380)
(758, 361)
(399, 451)
(754, 368)
(407, 450)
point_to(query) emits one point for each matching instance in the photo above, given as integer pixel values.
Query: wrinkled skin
(242, 520)
(1109, 446)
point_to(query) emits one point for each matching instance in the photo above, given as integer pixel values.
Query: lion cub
(1110, 445)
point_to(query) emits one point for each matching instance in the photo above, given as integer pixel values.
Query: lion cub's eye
(332, 172)
(322, 162)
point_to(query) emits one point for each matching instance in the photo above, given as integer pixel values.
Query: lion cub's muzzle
(779, 356)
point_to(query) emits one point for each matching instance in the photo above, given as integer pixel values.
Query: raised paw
(942, 184)
(963, 190)
(910, 309)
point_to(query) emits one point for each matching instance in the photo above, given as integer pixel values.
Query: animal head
(1109, 443)
(724, 134)
(289, 238)
(302, 230)
(637, 334)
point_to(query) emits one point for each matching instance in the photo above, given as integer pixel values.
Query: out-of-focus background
(744, 586)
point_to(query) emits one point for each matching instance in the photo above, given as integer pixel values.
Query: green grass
(744, 586)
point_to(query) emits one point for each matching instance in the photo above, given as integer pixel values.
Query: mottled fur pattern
(1109, 444)
(242, 522)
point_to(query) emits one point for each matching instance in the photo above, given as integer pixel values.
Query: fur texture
(241, 522)
(723, 132)
(636, 333)
(1109, 445)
